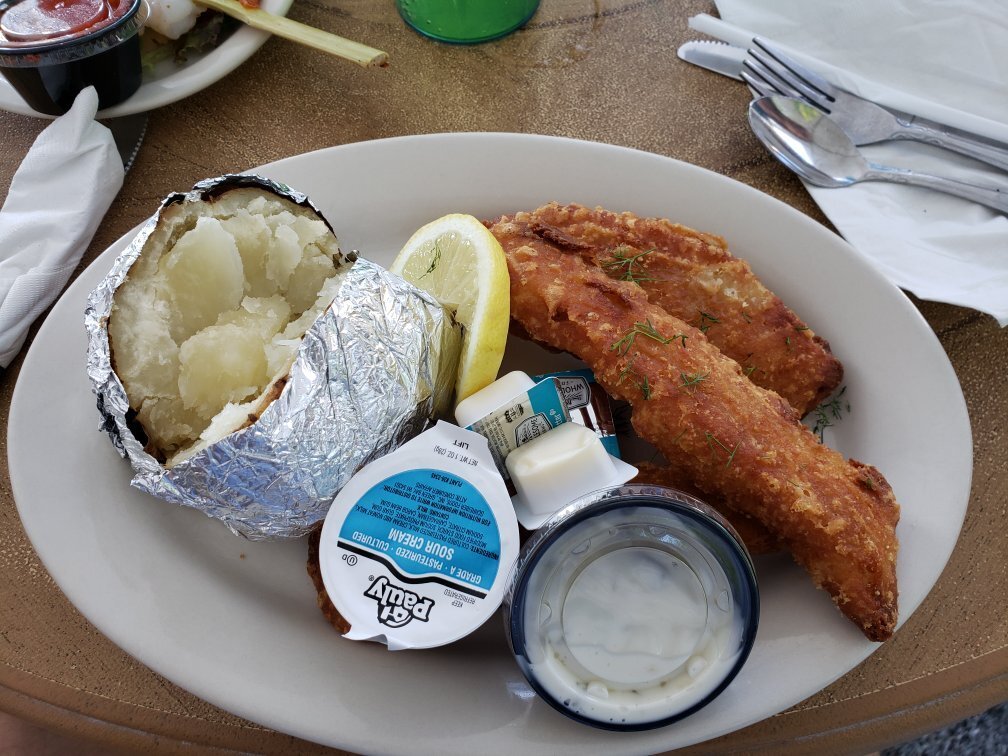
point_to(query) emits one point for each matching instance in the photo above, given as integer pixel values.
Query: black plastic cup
(50, 74)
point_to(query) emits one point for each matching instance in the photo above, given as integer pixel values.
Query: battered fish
(325, 604)
(719, 431)
(757, 539)
(693, 276)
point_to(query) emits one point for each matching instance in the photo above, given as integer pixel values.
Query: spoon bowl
(812, 145)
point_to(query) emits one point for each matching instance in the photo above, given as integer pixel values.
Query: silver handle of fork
(992, 196)
(922, 130)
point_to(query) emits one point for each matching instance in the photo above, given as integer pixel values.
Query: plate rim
(864, 265)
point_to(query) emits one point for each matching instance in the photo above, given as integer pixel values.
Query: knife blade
(128, 132)
(719, 57)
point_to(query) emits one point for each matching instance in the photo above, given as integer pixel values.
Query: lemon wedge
(460, 263)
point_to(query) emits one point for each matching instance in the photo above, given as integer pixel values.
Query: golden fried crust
(728, 437)
(693, 276)
(325, 604)
(757, 539)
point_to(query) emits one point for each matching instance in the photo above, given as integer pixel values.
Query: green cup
(466, 21)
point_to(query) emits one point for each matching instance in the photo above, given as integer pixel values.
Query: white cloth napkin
(57, 198)
(944, 61)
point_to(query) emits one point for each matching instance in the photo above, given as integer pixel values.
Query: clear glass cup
(632, 607)
(466, 21)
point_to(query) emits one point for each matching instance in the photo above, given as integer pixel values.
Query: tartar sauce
(632, 609)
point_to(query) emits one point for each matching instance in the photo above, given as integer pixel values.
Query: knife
(128, 132)
(719, 57)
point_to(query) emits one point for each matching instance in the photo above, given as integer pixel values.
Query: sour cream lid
(417, 548)
(632, 607)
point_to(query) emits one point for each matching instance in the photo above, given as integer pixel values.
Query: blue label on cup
(427, 525)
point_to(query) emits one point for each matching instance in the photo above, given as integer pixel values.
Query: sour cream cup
(632, 608)
(49, 71)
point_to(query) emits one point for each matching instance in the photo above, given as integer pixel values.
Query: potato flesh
(219, 365)
(204, 277)
(204, 325)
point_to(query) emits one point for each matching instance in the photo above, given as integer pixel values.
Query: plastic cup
(466, 21)
(48, 73)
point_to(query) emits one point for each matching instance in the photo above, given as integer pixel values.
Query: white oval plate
(236, 622)
(170, 81)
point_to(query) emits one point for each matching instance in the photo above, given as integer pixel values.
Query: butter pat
(512, 411)
(489, 398)
(558, 467)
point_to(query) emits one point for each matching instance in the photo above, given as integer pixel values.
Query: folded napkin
(57, 198)
(943, 61)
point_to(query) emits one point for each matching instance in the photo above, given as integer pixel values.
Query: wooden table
(602, 70)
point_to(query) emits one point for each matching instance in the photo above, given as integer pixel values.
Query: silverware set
(808, 142)
(814, 127)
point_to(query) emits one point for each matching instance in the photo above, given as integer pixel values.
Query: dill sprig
(706, 321)
(828, 412)
(713, 441)
(750, 368)
(623, 257)
(638, 379)
(691, 381)
(434, 260)
(622, 346)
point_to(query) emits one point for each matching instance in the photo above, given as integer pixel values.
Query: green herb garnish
(713, 441)
(625, 258)
(828, 412)
(638, 380)
(690, 382)
(706, 321)
(622, 346)
(434, 260)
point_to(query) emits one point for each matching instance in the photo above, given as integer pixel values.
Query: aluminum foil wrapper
(373, 371)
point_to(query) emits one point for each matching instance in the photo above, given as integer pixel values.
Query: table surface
(602, 70)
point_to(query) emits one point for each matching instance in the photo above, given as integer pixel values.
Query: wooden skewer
(298, 32)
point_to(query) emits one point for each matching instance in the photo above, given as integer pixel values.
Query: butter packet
(512, 411)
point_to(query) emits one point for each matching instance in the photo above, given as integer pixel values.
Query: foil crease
(374, 370)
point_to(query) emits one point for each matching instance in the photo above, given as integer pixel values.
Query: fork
(768, 71)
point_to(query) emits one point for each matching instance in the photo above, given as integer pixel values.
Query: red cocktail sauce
(34, 21)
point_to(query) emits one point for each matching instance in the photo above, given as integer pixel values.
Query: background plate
(170, 81)
(236, 622)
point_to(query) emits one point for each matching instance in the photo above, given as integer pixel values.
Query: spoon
(817, 149)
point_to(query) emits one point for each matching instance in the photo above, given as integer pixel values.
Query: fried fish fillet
(325, 604)
(722, 433)
(757, 539)
(693, 276)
